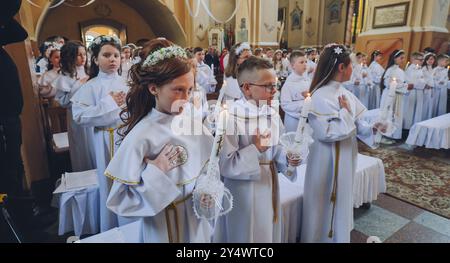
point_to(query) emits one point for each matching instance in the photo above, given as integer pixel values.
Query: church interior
(401, 188)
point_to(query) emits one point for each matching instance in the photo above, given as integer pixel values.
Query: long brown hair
(69, 54)
(140, 101)
(328, 65)
(427, 57)
(95, 52)
(232, 66)
(395, 54)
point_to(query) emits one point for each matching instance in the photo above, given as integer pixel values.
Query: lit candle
(218, 138)
(219, 100)
(306, 106)
(303, 117)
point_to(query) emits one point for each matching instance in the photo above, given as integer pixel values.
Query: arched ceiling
(160, 18)
(157, 15)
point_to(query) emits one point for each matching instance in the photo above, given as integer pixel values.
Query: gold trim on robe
(107, 174)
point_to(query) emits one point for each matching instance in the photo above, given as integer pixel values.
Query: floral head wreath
(242, 47)
(164, 53)
(54, 46)
(429, 54)
(103, 39)
(401, 51)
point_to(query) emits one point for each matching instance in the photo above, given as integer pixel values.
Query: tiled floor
(394, 221)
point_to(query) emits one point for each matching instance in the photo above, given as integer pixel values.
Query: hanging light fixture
(57, 3)
(206, 7)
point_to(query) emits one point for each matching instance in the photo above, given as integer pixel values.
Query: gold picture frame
(391, 15)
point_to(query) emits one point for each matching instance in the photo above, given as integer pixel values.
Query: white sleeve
(288, 104)
(88, 112)
(239, 163)
(65, 89)
(332, 129)
(154, 193)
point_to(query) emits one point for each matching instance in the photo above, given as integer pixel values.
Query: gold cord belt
(173, 206)
(111, 139)
(274, 188)
(335, 185)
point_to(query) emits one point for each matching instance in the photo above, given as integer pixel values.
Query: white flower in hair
(338, 50)
(101, 39)
(55, 46)
(242, 47)
(164, 53)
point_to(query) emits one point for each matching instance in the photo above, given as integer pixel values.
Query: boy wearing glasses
(252, 157)
(414, 104)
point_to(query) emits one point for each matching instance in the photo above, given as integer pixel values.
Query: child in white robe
(393, 71)
(98, 105)
(126, 62)
(430, 93)
(335, 119)
(198, 106)
(279, 66)
(414, 99)
(73, 76)
(155, 169)
(375, 72)
(42, 60)
(311, 54)
(238, 54)
(251, 159)
(204, 76)
(44, 84)
(294, 91)
(361, 80)
(441, 81)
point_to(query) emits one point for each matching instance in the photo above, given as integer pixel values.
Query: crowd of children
(121, 113)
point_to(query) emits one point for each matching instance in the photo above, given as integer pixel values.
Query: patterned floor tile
(358, 237)
(398, 207)
(416, 233)
(379, 222)
(435, 222)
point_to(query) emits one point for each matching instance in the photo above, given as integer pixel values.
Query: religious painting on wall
(296, 18)
(216, 38)
(391, 15)
(335, 11)
(242, 35)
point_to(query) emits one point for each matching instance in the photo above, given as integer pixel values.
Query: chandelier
(71, 3)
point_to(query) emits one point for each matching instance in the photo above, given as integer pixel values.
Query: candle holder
(211, 198)
(296, 145)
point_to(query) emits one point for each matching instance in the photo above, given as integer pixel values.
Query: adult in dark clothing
(11, 103)
(209, 57)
